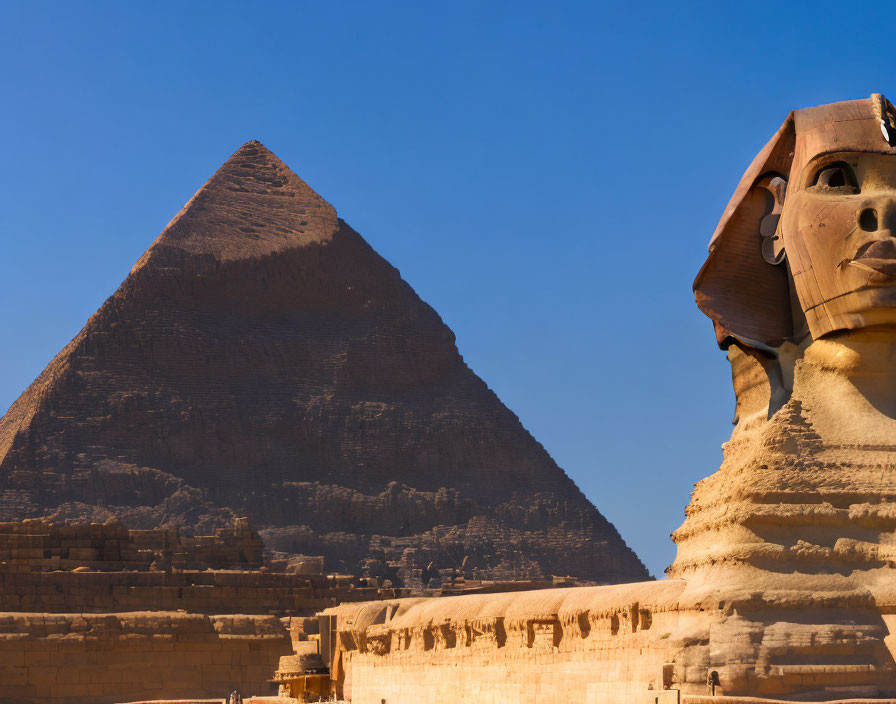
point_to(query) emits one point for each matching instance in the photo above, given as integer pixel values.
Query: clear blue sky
(545, 175)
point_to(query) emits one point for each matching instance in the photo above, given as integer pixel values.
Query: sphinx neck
(866, 358)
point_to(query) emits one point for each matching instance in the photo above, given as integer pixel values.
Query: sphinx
(796, 532)
(784, 583)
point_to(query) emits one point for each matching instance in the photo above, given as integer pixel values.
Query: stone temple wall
(64, 659)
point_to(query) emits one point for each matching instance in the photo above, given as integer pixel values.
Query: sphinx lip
(878, 256)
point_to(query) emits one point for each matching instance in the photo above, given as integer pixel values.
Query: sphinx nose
(879, 217)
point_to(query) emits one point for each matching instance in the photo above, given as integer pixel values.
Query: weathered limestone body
(784, 585)
(795, 534)
(796, 531)
(588, 644)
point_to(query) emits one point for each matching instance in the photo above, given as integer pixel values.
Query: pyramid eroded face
(261, 359)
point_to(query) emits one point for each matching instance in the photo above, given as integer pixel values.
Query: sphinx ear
(772, 246)
(739, 286)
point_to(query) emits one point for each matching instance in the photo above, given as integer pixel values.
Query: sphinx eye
(835, 178)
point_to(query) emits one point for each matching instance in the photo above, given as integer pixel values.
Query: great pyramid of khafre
(261, 359)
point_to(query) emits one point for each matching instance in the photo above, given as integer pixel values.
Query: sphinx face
(839, 230)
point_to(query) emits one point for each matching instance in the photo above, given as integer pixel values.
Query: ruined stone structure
(41, 546)
(784, 585)
(262, 360)
(99, 613)
(107, 568)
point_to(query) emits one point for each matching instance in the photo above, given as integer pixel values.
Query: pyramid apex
(253, 144)
(253, 205)
(254, 148)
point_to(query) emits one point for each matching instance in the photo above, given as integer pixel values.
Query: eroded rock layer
(262, 360)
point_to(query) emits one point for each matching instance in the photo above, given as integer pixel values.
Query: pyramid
(261, 359)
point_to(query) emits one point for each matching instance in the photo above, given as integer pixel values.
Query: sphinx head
(807, 245)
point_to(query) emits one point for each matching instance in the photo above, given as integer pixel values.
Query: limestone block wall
(606, 645)
(106, 658)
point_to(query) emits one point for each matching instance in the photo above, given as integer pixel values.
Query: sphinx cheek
(822, 233)
(814, 234)
(831, 242)
(793, 227)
